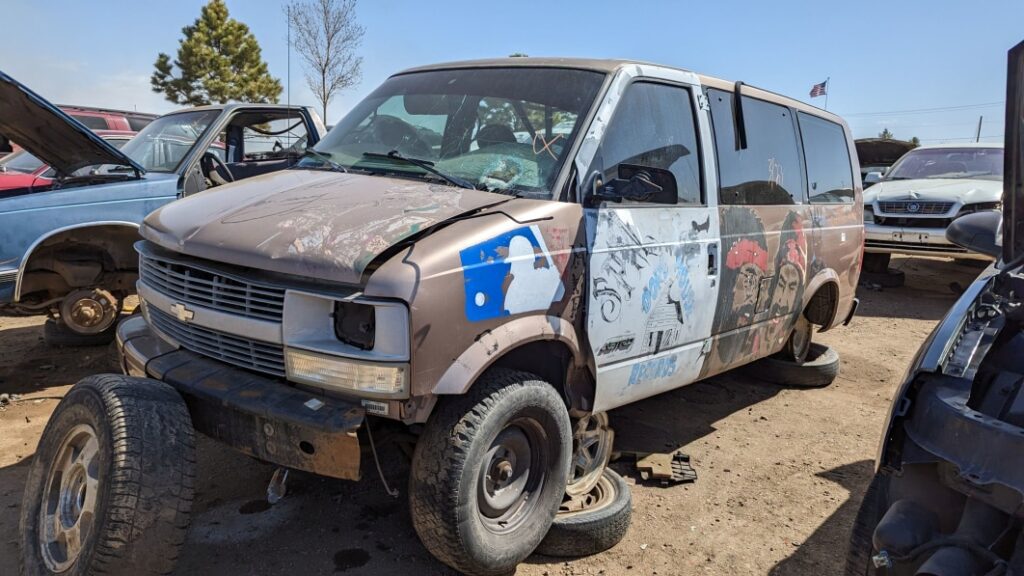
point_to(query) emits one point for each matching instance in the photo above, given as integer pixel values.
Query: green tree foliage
(915, 141)
(218, 61)
(885, 134)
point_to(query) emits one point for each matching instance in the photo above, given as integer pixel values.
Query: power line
(926, 110)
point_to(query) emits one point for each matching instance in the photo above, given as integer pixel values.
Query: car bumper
(913, 241)
(259, 416)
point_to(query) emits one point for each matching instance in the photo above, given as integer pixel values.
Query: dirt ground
(781, 471)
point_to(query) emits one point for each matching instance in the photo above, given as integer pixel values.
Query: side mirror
(872, 177)
(977, 232)
(636, 184)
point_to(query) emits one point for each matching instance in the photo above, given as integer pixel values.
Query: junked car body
(66, 249)
(908, 211)
(947, 495)
(22, 171)
(429, 264)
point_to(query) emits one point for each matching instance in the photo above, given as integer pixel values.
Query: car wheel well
(821, 308)
(551, 360)
(81, 257)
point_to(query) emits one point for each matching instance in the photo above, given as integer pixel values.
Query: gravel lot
(781, 471)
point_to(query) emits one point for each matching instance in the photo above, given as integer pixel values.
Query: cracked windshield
(504, 130)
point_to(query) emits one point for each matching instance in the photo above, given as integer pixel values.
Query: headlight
(869, 215)
(355, 324)
(347, 375)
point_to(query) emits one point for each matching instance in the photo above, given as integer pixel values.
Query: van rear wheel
(798, 346)
(489, 472)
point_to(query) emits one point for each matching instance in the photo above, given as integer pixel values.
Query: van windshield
(979, 163)
(501, 129)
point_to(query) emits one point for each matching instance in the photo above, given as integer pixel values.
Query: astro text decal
(509, 274)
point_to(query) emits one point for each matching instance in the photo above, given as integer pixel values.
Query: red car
(23, 170)
(95, 119)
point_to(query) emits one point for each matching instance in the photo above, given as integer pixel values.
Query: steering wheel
(397, 134)
(214, 165)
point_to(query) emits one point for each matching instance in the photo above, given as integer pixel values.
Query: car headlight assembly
(367, 379)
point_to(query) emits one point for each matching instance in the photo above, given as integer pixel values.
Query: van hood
(31, 122)
(318, 225)
(960, 190)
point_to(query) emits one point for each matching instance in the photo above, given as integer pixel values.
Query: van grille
(252, 354)
(914, 207)
(215, 290)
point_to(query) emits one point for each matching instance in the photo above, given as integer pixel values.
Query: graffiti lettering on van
(653, 369)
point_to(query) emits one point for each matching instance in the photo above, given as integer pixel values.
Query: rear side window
(137, 123)
(829, 173)
(768, 170)
(654, 126)
(91, 122)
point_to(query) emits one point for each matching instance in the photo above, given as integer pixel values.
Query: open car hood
(881, 152)
(1013, 158)
(319, 225)
(51, 135)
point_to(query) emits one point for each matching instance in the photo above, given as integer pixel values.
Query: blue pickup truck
(66, 251)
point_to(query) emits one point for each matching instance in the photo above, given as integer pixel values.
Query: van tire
(592, 531)
(872, 508)
(469, 440)
(819, 369)
(58, 335)
(143, 458)
(876, 262)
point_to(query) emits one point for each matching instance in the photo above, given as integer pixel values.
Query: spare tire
(819, 370)
(110, 488)
(601, 524)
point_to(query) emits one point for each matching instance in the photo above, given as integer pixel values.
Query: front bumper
(913, 241)
(257, 415)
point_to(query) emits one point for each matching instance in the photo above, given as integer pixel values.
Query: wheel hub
(89, 311)
(69, 499)
(591, 450)
(511, 473)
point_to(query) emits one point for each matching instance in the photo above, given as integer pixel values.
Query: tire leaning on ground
(872, 508)
(489, 472)
(819, 369)
(110, 488)
(597, 527)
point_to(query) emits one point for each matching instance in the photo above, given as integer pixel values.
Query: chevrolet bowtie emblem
(182, 312)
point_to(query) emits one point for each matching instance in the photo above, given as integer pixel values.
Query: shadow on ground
(824, 551)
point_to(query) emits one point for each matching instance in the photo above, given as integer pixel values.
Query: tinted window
(829, 174)
(137, 123)
(653, 126)
(768, 171)
(91, 122)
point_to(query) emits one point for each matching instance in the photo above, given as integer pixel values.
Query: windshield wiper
(424, 164)
(326, 158)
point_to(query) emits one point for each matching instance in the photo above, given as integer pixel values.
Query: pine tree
(885, 134)
(218, 61)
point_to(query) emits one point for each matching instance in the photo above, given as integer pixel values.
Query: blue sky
(882, 57)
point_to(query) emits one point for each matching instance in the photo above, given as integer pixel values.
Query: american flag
(819, 89)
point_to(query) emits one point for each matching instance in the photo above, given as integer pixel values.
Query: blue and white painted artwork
(509, 274)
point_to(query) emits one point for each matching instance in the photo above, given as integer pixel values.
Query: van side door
(652, 268)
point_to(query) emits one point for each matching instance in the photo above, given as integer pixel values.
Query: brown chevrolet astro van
(500, 251)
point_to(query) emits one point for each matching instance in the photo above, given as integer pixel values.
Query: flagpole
(826, 91)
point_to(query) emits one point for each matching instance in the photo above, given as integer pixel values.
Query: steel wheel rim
(68, 512)
(512, 475)
(800, 341)
(591, 450)
(89, 311)
(597, 498)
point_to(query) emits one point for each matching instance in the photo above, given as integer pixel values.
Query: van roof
(608, 66)
(963, 145)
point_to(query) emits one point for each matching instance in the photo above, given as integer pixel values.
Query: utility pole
(288, 79)
(977, 135)
(827, 88)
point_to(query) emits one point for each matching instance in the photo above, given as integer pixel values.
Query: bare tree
(327, 36)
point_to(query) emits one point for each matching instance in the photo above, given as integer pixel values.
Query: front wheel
(110, 488)
(489, 472)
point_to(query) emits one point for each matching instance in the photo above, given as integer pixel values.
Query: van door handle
(713, 259)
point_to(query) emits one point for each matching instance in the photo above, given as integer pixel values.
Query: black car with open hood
(947, 498)
(31, 122)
